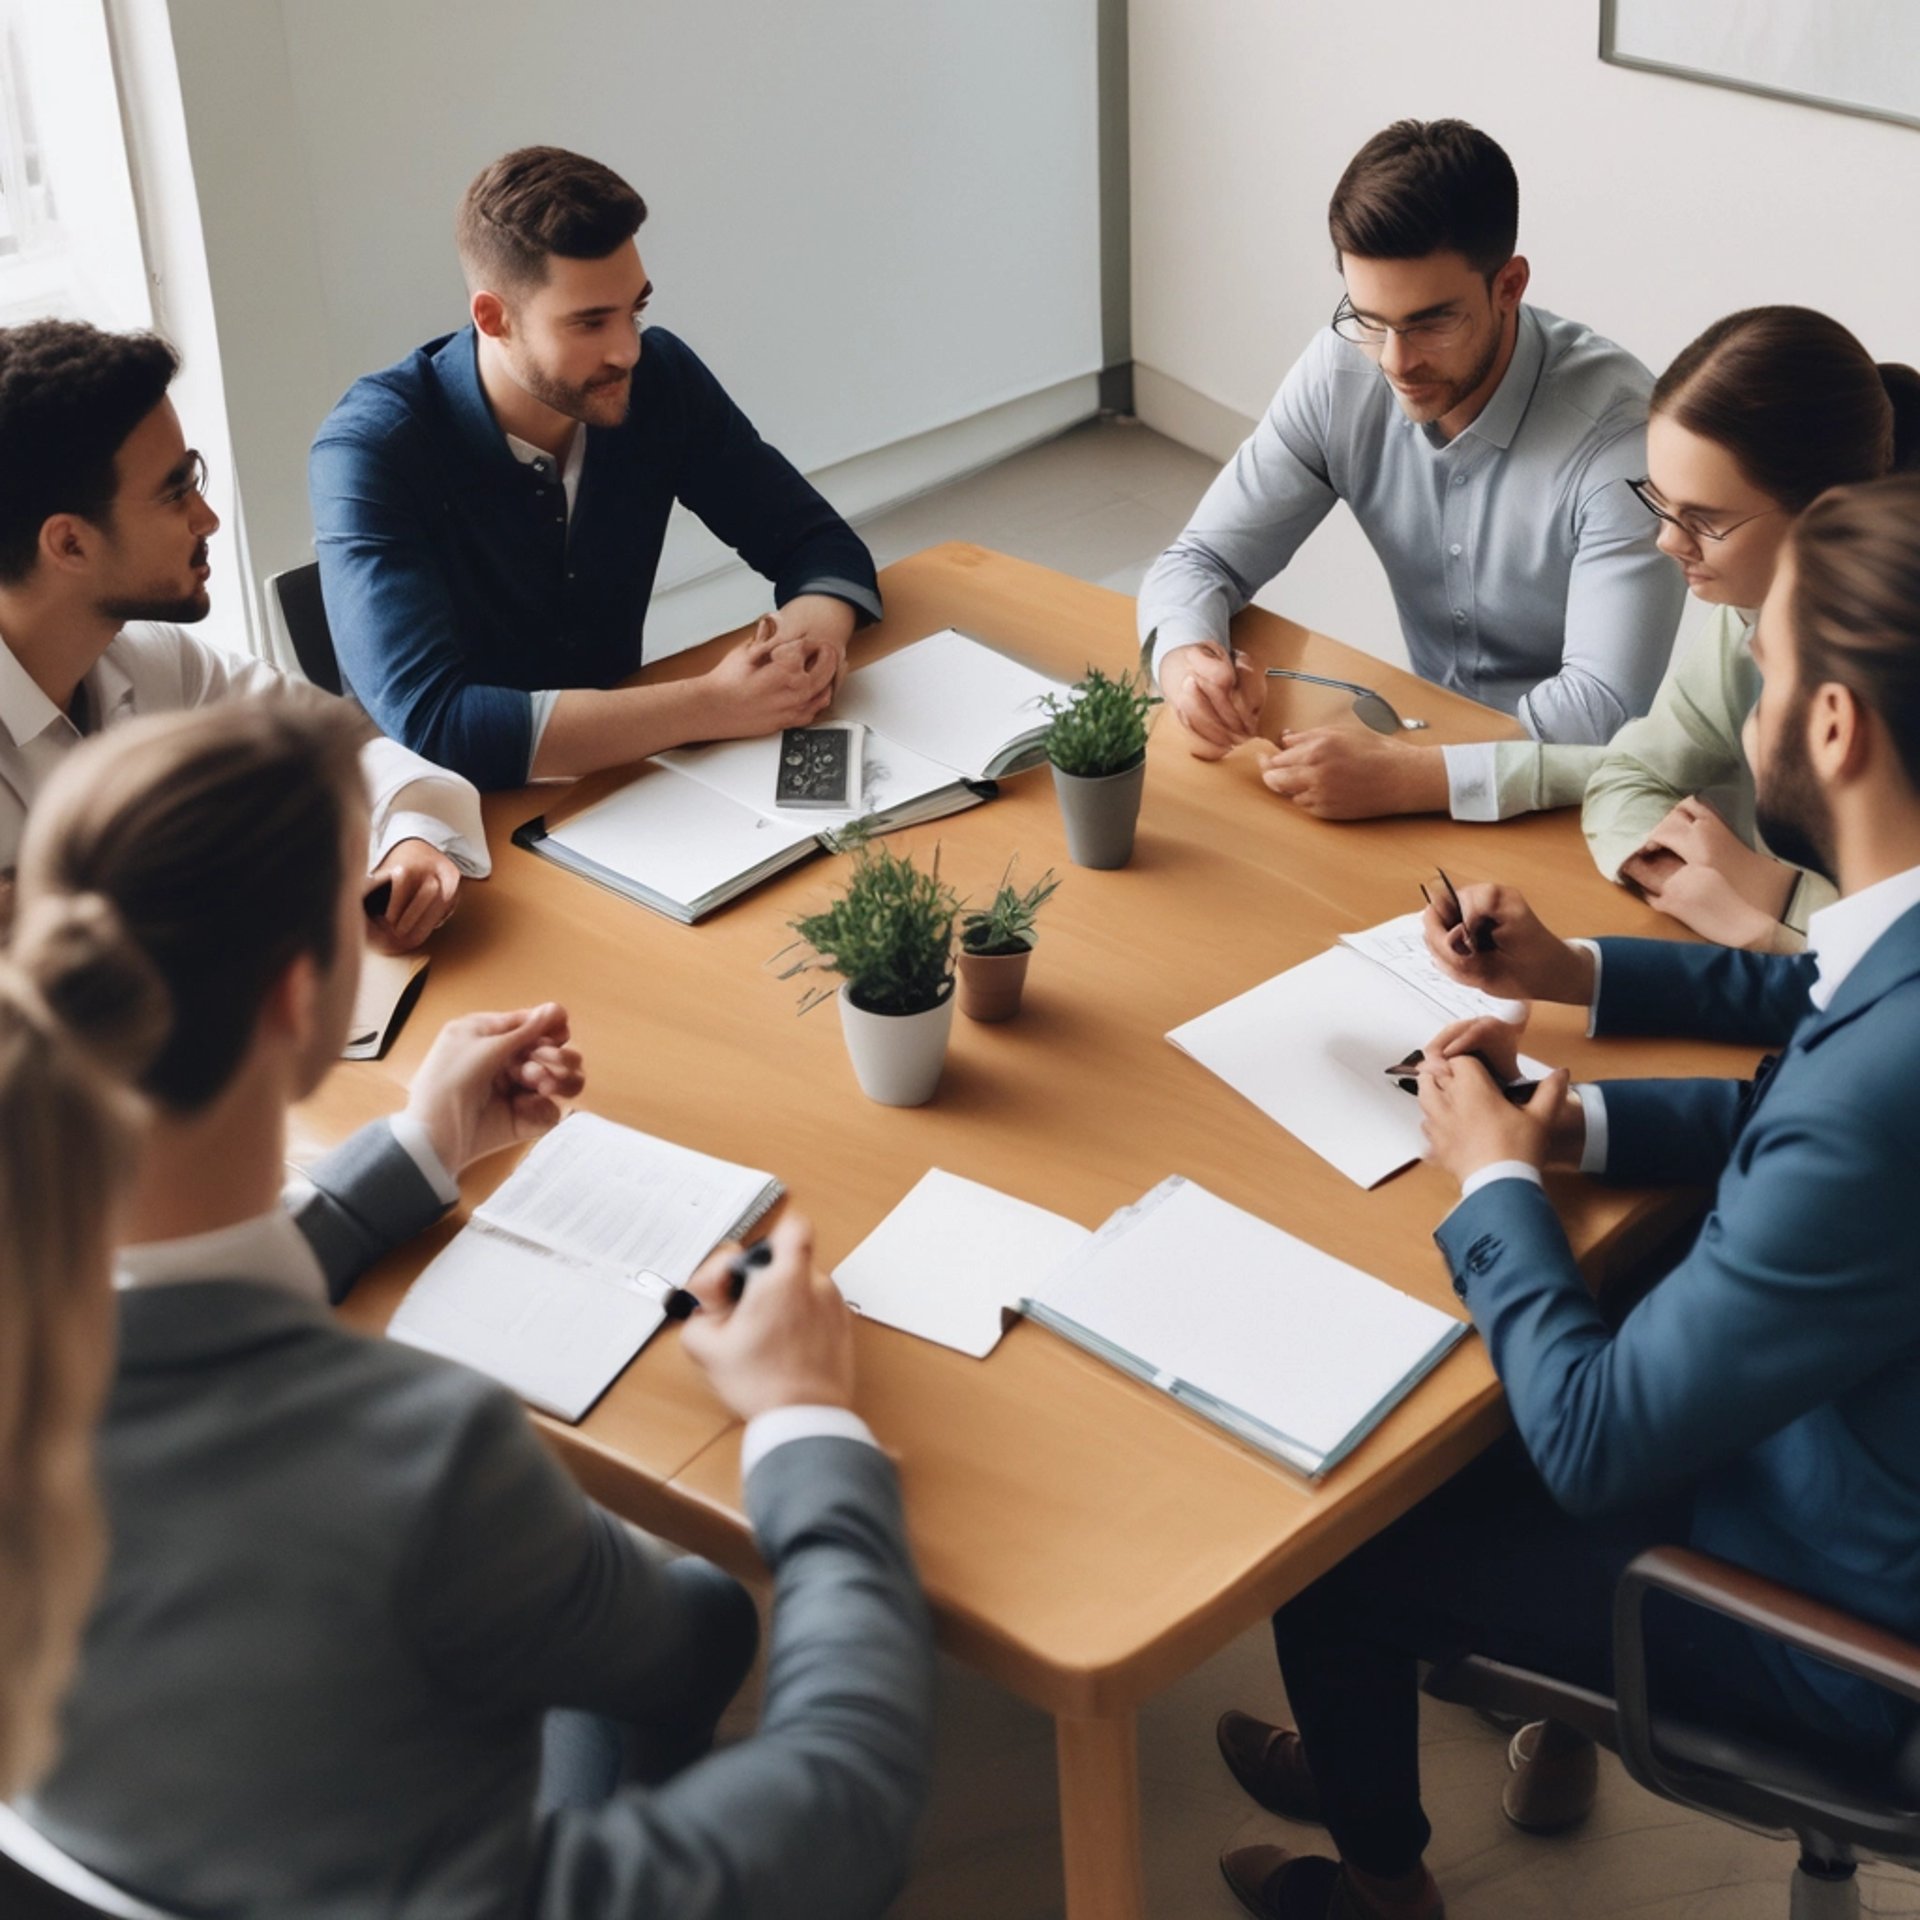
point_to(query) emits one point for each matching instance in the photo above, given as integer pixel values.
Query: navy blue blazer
(1777, 1368)
(454, 585)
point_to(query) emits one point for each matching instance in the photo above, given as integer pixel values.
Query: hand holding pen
(1488, 937)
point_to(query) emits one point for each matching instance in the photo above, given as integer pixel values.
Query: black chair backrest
(305, 614)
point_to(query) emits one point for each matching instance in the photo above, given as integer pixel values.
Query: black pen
(681, 1303)
(1480, 936)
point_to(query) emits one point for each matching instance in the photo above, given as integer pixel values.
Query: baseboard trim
(728, 593)
(1172, 407)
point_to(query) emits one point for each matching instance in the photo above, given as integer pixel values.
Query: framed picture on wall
(1855, 56)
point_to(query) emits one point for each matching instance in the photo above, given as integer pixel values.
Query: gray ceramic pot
(1101, 811)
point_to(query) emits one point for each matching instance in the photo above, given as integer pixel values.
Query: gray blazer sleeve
(814, 1815)
(367, 1196)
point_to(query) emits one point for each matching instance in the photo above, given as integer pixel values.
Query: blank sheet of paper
(950, 1256)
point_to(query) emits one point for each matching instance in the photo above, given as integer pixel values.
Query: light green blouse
(1688, 743)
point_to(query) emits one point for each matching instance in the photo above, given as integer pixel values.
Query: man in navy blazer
(489, 511)
(1763, 1401)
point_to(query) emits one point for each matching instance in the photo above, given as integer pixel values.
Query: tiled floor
(1099, 502)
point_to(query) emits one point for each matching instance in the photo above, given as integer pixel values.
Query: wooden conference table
(1084, 1540)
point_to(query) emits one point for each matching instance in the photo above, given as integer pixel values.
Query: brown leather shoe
(1273, 1884)
(1556, 1777)
(1270, 1765)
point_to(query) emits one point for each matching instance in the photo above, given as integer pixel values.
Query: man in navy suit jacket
(489, 511)
(1763, 1401)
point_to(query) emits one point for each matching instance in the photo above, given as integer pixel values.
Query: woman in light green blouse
(1753, 421)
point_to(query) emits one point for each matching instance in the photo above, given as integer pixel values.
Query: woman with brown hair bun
(80, 1011)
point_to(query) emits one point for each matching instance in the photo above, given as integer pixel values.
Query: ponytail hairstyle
(220, 837)
(1796, 400)
(1856, 603)
(81, 1011)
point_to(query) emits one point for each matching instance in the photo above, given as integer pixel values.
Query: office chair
(302, 613)
(39, 1882)
(1835, 1811)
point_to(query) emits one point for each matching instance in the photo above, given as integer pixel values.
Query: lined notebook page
(1208, 1295)
(609, 1196)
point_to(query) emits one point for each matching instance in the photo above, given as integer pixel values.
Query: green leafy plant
(1005, 924)
(889, 935)
(1100, 724)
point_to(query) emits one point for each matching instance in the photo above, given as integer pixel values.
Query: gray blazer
(347, 1581)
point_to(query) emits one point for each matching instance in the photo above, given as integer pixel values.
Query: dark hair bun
(1903, 389)
(74, 956)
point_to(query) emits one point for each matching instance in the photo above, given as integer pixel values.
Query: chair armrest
(1764, 1606)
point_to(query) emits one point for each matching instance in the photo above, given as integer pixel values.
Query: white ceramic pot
(897, 1057)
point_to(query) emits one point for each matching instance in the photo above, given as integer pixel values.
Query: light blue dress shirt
(1524, 570)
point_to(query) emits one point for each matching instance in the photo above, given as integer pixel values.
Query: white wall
(872, 219)
(1648, 206)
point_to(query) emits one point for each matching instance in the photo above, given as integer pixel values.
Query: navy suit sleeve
(1701, 992)
(1671, 1133)
(758, 502)
(1784, 1302)
(393, 618)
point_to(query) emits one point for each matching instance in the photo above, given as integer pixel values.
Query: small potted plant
(996, 942)
(1098, 746)
(890, 937)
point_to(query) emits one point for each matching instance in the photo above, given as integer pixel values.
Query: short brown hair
(1428, 186)
(1856, 602)
(217, 836)
(1797, 401)
(538, 201)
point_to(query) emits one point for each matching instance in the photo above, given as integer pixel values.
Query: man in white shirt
(103, 535)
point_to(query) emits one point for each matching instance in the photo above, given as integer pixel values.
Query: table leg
(1100, 1817)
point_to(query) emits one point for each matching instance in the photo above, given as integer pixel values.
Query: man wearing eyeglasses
(104, 531)
(1483, 445)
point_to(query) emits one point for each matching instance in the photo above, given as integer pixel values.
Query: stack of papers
(564, 1274)
(1311, 1046)
(1293, 1351)
(699, 826)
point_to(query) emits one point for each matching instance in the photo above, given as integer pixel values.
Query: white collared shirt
(1840, 936)
(151, 668)
(542, 462)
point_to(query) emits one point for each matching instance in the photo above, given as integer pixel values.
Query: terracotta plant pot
(1101, 812)
(991, 983)
(897, 1057)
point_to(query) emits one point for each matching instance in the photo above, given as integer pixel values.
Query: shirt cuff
(414, 1141)
(1473, 781)
(1593, 1107)
(441, 809)
(1171, 635)
(542, 705)
(860, 599)
(410, 824)
(1593, 1005)
(766, 1431)
(1499, 1170)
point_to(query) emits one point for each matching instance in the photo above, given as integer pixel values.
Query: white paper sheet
(949, 698)
(946, 1261)
(557, 1331)
(1210, 1297)
(1310, 1049)
(676, 838)
(606, 1194)
(1401, 947)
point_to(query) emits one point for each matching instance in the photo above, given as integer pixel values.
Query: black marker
(377, 902)
(681, 1303)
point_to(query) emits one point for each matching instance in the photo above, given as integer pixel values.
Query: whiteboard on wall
(1859, 56)
(871, 219)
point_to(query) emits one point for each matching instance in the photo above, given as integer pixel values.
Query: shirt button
(1459, 617)
(1455, 548)
(1459, 479)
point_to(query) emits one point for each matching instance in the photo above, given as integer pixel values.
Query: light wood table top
(1083, 1539)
